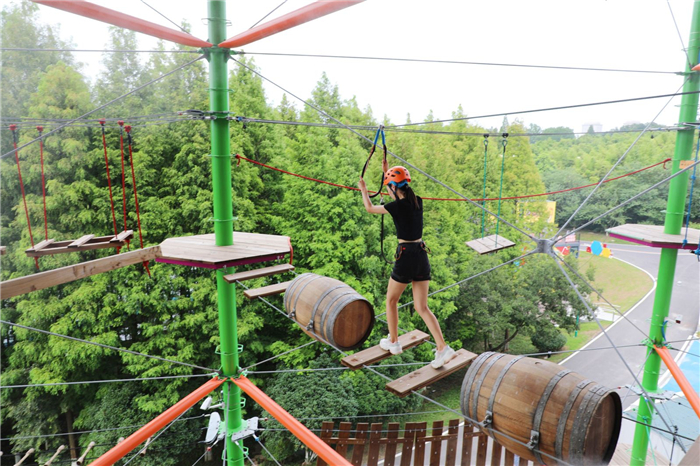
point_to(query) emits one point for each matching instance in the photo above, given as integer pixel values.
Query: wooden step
(375, 353)
(80, 241)
(123, 236)
(257, 273)
(277, 288)
(427, 375)
(43, 244)
(490, 244)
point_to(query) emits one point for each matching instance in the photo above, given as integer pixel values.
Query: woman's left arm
(369, 207)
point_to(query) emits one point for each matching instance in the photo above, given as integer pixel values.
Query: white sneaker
(387, 345)
(441, 357)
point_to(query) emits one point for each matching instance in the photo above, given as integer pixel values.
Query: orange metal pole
(300, 431)
(295, 18)
(677, 374)
(100, 13)
(140, 436)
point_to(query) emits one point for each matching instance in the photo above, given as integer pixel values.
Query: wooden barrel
(329, 310)
(551, 409)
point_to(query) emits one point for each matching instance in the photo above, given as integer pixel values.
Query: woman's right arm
(369, 207)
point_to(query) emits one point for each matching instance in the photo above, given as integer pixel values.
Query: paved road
(605, 366)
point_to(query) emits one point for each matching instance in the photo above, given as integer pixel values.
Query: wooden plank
(481, 446)
(343, 434)
(451, 453)
(326, 434)
(655, 235)
(123, 236)
(390, 451)
(375, 353)
(409, 434)
(489, 244)
(374, 437)
(277, 288)
(39, 281)
(419, 457)
(358, 451)
(496, 450)
(42, 245)
(3, 250)
(509, 458)
(257, 273)
(80, 241)
(436, 445)
(427, 375)
(467, 441)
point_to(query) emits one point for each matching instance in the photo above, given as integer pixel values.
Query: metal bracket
(534, 440)
(545, 246)
(488, 419)
(248, 431)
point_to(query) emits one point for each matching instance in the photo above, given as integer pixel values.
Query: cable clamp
(248, 431)
(534, 440)
(310, 325)
(488, 420)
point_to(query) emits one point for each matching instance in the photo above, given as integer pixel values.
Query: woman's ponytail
(411, 196)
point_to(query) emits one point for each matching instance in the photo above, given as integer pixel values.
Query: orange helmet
(397, 176)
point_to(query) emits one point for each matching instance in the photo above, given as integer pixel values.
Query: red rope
(109, 180)
(240, 157)
(121, 148)
(127, 128)
(13, 128)
(43, 181)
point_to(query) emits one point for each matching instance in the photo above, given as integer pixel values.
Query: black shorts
(412, 264)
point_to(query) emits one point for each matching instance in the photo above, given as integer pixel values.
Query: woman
(412, 265)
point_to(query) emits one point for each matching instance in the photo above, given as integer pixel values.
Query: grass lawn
(622, 284)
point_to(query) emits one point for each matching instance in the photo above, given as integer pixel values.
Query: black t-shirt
(408, 221)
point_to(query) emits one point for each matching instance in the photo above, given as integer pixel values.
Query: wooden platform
(277, 288)
(654, 236)
(427, 375)
(490, 244)
(375, 353)
(202, 251)
(257, 273)
(50, 247)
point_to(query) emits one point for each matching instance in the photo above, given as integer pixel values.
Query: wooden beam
(257, 273)
(295, 18)
(39, 281)
(427, 375)
(105, 15)
(375, 353)
(277, 288)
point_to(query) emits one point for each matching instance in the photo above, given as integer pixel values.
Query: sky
(619, 34)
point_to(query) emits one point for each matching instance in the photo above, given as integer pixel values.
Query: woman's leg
(393, 294)
(420, 302)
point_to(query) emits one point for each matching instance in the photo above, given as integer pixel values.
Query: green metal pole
(673, 224)
(223, 221)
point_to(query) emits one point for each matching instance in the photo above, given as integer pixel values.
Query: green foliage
(547, 338)
(173, 312)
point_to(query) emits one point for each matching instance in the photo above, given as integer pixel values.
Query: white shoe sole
(448, 357)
